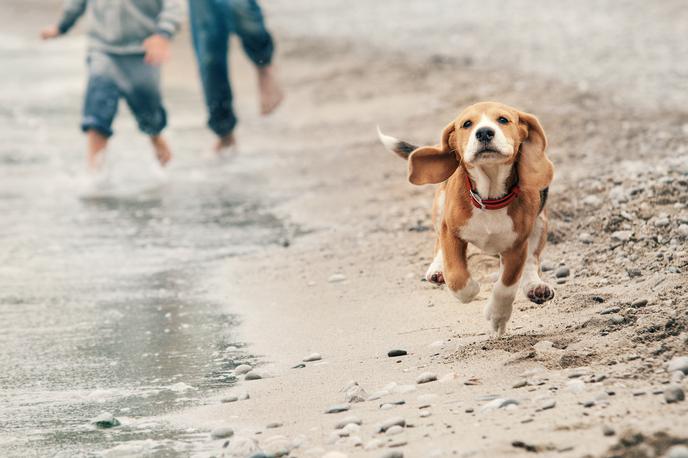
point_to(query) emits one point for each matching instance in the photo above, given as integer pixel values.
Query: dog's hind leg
(533, 287)
(434, 273)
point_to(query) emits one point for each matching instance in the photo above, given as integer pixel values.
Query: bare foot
(162, 149)
(225, 143)
(97, 143)
(271, 94)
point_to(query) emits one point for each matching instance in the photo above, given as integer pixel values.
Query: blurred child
(128, 41)
(212, 22)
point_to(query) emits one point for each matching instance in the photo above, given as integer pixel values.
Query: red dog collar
(491, 204)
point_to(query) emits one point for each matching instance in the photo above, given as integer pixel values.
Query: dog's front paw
(539, 292)
(436, 277)
(468, 292)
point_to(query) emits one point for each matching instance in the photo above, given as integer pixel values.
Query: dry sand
(619, 168)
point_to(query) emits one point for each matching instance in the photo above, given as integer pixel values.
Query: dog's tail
(398, 147)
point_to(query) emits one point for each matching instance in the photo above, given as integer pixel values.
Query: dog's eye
(467, 124)
(502, 120)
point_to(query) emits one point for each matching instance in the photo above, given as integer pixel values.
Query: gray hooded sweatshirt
(121, 26)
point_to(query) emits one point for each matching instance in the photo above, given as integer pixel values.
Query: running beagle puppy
(493, 177)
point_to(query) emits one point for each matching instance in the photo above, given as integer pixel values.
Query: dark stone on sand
(609, 310)
(338, 408)
(396, 353)
(562, 272)
(105, 420)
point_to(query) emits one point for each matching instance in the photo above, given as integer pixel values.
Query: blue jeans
(111, 76)
(212, 22)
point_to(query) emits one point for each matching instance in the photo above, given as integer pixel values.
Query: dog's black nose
(485, 134)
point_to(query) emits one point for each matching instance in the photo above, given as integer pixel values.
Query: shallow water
(103, 305)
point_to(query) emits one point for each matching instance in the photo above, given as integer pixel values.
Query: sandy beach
(316, 245)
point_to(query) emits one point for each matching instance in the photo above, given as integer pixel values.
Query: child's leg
(211, 44)
(162, 149)
(248, 23)
(100, 107)
(141, 90)
(97, 143)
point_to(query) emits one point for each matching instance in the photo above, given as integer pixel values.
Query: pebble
(618, 194)
(678, 363)
(598, 299)
(222, 432)
(662, 222)
(350, 420)
(394, 421)
(373, 444)
(242, 446)
(350, 429)
(634, 272)
(396, 353)
(674, 394)
(677, 451)
(677, 377)
(609, 310)
(622, 236)
(547, 266)
(394, 430)
(592, 200)
(236, 397)
(426, 377)
(229, 399)
(424, 413)
(638, 303)
(105, 420)
(585, 237)
(397, 443)
(252, 376)
(242, 369)
(337, 278)
(312, 357)
(499, 403)
(683, 230)
(562, 272)
(274, 425)
(393, 454)
(355, 393)
(520, 384)
(338, 408)
(617, 319)
(607, 430)
(548, 404)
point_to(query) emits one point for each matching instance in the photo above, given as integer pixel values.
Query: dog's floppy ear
(535, 170)
(434, 164)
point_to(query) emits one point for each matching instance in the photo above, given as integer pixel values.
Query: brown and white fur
(497, 146)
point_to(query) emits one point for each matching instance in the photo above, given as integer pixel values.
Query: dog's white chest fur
(490, 230)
